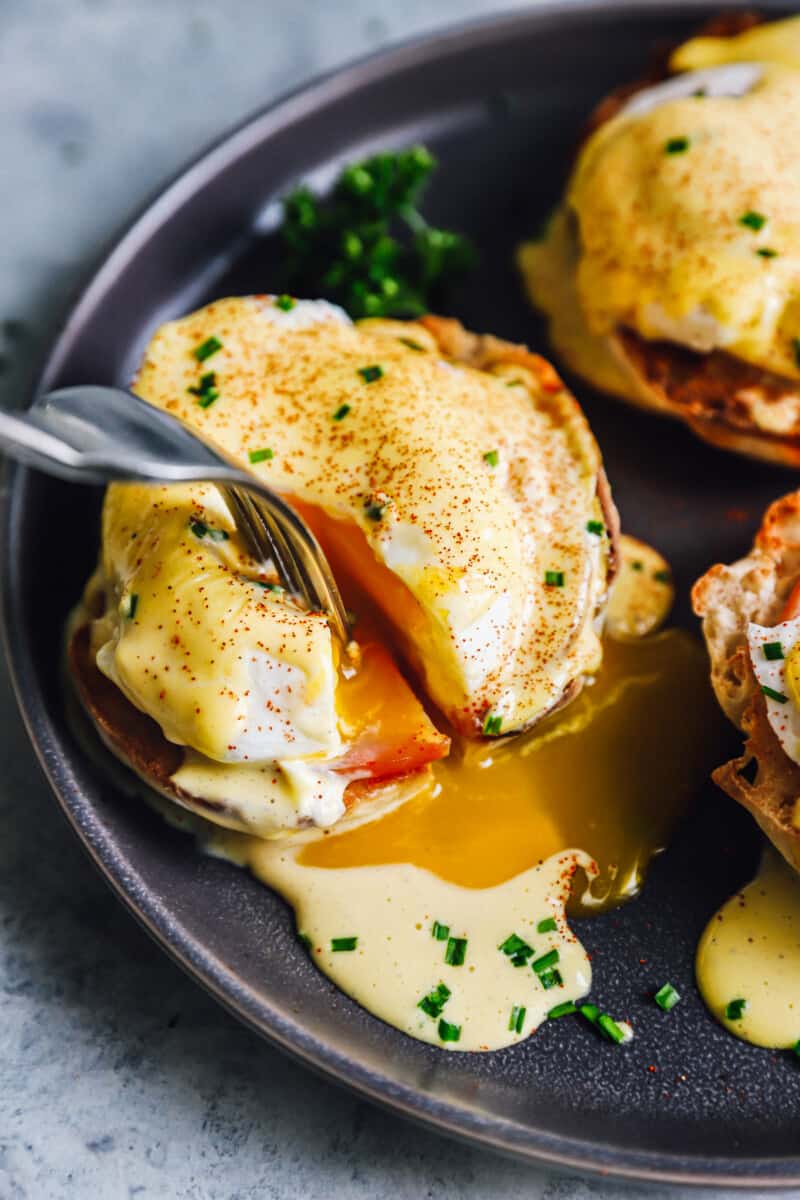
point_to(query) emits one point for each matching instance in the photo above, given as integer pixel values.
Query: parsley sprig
(366, 245)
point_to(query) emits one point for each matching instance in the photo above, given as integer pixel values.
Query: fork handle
(34, 447)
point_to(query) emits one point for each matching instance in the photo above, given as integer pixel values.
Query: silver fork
(104, 434)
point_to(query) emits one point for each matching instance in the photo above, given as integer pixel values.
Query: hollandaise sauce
(748, 959)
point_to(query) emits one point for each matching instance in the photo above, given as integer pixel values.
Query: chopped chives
(637, 565)
(492, 724)
(662, 576)
(440, 932)
(132, 605)
(549, 979)
(753, 220)
(201, 530)
(375, 511)
(514, 947)
(590, 1011)
(796, 1049)
(610, 1028)
(341, 412)
(517, 1019)
(773, 695)
(735, 1009)
(259, 456)
(210, 346)
(547, 925)
(667, 997)
(766, 252)
(455, 952)
(305, 941)
(284, 303)
(371, 374)
(554, 578)
(514, 383)
(562, 1010)
(434, 1002)
(796, 350)
(412, 345)
(546, 962)
(676, 145)
(448, 1032)
(520, 960)
(491, 457)
(596, 527)
(208, 398)
(269, 587)
(343, 943)
(772, 650)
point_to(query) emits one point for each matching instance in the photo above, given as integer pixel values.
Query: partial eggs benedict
(669, 272)
(749, 957)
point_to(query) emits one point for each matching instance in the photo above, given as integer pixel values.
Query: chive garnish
(259, 456)
(514, 383)
(210, 346)
(455, 952)
(547, 925)
(753, 220)
(412, 345)
(375, 511)
(662, 576)
(766, 252)
(343, 943)
(667, 997)
(201, 530)
(542, 965)
(285, 303)
(492, 724)
(491, 457)
(590, 1011)
(516, 949)
(448, 1032)
(676, 145)
(735, 1009)
(562, 1010)
(517, 1019)
(772, 650)
(305, 941)
(269, 587)
(341, 412)
(773, 695)
(796, 349)
(637, 565)
(550, 979)
(596, 527)
(371, 374)
(610, 1028)
(132, 605)
(440, 932)
(434, 1002)
(796, 1049)
(554, 578)
(208, 398)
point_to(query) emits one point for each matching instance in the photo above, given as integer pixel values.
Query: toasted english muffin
(732, 599)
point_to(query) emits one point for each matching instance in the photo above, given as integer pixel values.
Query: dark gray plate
(501, 103)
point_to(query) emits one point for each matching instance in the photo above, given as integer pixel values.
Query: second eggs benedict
(669, 272)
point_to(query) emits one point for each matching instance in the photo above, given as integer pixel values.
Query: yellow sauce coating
(750, 951)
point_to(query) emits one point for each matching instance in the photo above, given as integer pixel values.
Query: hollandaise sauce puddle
(748, 959)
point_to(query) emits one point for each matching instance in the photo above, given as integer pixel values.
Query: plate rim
(537, 1147)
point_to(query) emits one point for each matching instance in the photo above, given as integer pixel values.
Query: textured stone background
(118, 1077)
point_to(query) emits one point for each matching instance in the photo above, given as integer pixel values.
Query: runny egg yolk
(611, 773)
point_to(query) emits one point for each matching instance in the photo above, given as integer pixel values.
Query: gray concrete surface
(118, 1077)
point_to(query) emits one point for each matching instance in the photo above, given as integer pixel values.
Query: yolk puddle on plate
(750, 953)
(611, 774)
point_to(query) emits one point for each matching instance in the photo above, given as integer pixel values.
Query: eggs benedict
(668, 274)
(454, 482)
